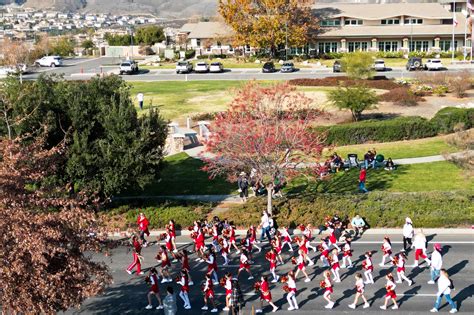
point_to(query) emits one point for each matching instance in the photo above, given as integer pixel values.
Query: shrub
(402, 96)
(204, 116)
(460, 83)
(356, 99)
(191, 53)
(389, 54)
(358, 65)
(440, 90)
(447, 118)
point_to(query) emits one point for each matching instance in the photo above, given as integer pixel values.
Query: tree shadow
(458, 267)
(465, 293)
(408, 294)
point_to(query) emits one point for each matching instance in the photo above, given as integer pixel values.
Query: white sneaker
(237, 252)
(381, 265)
(454, 310)
(350, 266)
(337, 281)
(275, 280)
(398, 281)
(296, 307)
(383, 307)
(307, 280)
(191, 283)
(366, 305)
(169, 280)
(225, 308)
(149, 307)
(395, 307)
(214, 310)
(259, 249)
(434, 310)
(215, 283)
(175, 251)
(410, 283)
(164, 280)
(159, 307)
(431, 282)
(258, 310)
(204, 308)
(367, 282)
(330, 305)
(291, 308)
(343, 266)
(275, 309)
(352, 306)
(129, 272)
(311, 263)
(250, 278)
(187, 307)
(141, 273)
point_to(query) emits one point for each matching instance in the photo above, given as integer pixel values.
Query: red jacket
(362, 175)
(142, 223)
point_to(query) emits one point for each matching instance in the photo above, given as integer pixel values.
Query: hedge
(447, 118)
(379, 209)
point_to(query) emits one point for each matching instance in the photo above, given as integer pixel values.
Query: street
(127, 295)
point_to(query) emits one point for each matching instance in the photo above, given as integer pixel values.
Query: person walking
(436, 263)
(265, 225)
(408, 233)
(419, 243)
(362, 180)
(143, 223)
(359, 284)
(154, 290)
(140, 99)
(243, 184)
(136, 252)
(169, 302)
(445, 285)
(390, 295)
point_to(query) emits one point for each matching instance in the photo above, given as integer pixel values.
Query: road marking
(360, 242)
(398, 294)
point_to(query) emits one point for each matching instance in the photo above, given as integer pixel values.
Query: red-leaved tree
(266, 130)
(46, 232)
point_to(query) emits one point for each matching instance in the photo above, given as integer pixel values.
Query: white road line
(398, 294)
(364, 242)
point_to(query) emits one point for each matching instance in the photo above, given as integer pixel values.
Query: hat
(437, 246)
(243, 174)
(408, 220)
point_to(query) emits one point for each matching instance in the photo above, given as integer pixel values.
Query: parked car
(379, 65)
(414, 63)
(201, 67)
(49, 61)
(128, 67)
(337, 67)
(288, 67)
(433, 64)
(269, 67)
(216, 67)
(184, 67)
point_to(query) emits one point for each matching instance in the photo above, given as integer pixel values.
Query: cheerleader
(324, 249)
(244, 264)
(400, 261)
(162, 258)
(208, 291)
(307, 232)
(228, 291)
(152, 279)
(332, 238)
(185, 264)
(172, 232)
(360, 292)
(265, 295)
(286, 238)
(303, 247)
(200, 245)
(419, 243)
(247, 245)
(301, 266)
(169, 243)
(215, 238)
(253, 238)
(225, 249)
(368, 267)
(212, 266)
(347, 254)
(183, 294)
(390, 287)
(335, 265)
(271, 256)
(387, 250)
(276, 244)
(328, 289)
(291, 296)
(136, 251)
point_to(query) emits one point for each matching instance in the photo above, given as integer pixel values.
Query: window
(419, 45)
(413, 21)
(198, 42)
(445, 45)
(388, 46)
(331, 23)
(357, 46)
(327, 47)
(353, 22)
(390, 21)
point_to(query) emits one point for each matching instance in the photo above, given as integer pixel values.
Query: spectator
(278, 184)
(243, 184)
(143, 223)
(373, 155)
(436, 263)
(265, 225)
(408, 233)
(362, 179)
(169, 303)
(336, 163)
(237, 297)
(389, 165)
(358, 224)
(445, 285)
(140, 98)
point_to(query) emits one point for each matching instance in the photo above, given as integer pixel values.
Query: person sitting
(336, 163)
(359, 225)
(389, 165)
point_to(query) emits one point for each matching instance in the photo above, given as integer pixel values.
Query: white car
(49, 61)
(216, 67)
(128, 67)
(201, 67)
(433, 64)
(184, 67)
(379, 65)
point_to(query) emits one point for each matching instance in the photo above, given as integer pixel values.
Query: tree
(64, 46)
(356, 99)
(45, 233)
(150, 35)
(88, 44)
(14, 53)
(358, 65)
(267, 24)
(267, 130)
(119, 40)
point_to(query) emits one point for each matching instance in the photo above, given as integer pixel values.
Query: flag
(455, 21)
(469, 5)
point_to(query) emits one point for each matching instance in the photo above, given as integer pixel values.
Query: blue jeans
(265, 231)
(362, 187)
(434, 274)
(448, 298)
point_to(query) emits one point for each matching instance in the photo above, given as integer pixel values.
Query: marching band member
(347, 254)
(208, 291)
(228, 291)
(360, 292)
(303, 247)
(162, 257)
(291, 296)
(368, 266)
(225, 249)
(335, 265)
(136, 252)
(152, 279)
(185, 264)
(212, 266)
(436, 263)
(400, 261)
(390, 287)
(286, 238)
(301, 265)
(328, 289)
(276, 244)
(265, 295)
(307, 232)
(419, 243)
(253, 238)
(172, 232)
(332, 238)
(271, 257)
(387, 250)
(244, 264)
(183, 294)
(324, 249)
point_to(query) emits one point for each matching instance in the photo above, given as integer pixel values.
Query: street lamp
(131, 40)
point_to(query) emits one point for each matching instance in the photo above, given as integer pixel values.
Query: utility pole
(286, 40)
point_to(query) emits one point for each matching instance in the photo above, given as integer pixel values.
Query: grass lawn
(401, 149)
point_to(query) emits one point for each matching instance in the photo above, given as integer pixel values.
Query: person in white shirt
(408, 233)
(436, 263)
(444, 289)
(360, 292)
(140, 98)
(265, 225)
(419, 243)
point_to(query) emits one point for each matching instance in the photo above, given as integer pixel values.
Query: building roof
(382, 11)
(207, 30)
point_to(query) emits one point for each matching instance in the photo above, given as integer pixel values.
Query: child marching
(152, 279)
(232, 240)
(172, 232)
(265, 294)
(324, 249)
(224, 249)
(136, 252)
(303, 248)
(335, 265)
(387, 250)
(253, 238)
(276, 244)
(347, 254)
(244, 264)
(399, 260)
(328, 289)
(299, 262)
(271, 257)
(291, 289)
(183, 294)
(390, 295)
(368, 267)
(309, 236)
(212, 266)
(286, 238)
(185, 263)
(359, 292)
(162, 258)
(227, 284)
(208, 290)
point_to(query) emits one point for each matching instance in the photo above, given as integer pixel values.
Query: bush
(356, 99)
(400, 128)
(440, 90)
(447, 118)
(358, 65)
(188, 54)
(402, 96)
(422, 54)
(379, 209)
(389, 54)
(460, 83)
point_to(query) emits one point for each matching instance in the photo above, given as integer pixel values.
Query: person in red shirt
(265, 295)
(172, 231)
(136, 251)
(143, 223)
(362, 179)
(184, 282)
(185, 264)
(208, 290)
(154, 290)
(162, 258)
(328, 289)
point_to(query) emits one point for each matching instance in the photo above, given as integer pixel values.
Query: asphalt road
(80, 69)
(127, 295)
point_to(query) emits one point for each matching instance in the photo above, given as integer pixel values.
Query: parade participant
(224, 249)
(162, 258)
(301, 266)
(152, 279)
(291, 296)
(276, 244)
(265, 295)
(390, 287)
(324, 249)
(208, 291)
(335, 265)
(228, 290)
(309, 236)
(172, 232)
(419, 243)
(244, 264)
(169, 243)
(436, 263)
(359, 292)
(200, 245)
(212, 266)
(332, 238)
(303, 247)
(328, 289)
(253, 238)
(399, 261)
(445, 285)
(136, 252)
(247, 245)
(347, 254)
(271, 257)
(215, 237)
(387, 250)
(183, 281)
(232, 240)
(368, 266)
(185, 264)
(286, 238)
(408, 233)
(143, 223)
